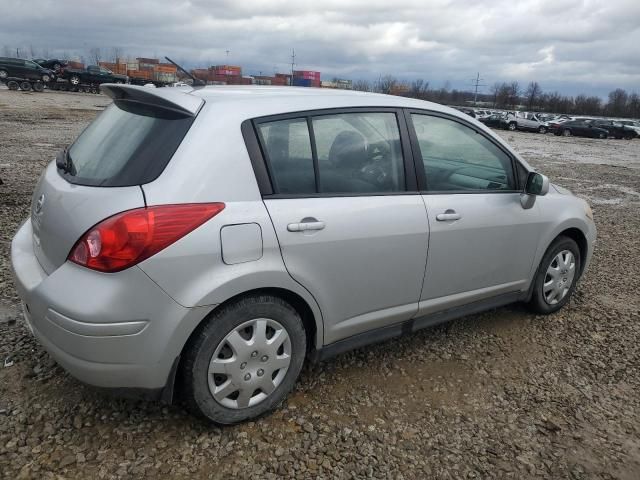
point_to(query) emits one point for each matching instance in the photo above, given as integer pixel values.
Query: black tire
(566, 132)
(4, 73)
(45, 78)
(602, 135)
(26, 86)
(63, 87)
(513, 126)
(38, 87)
(202, 345)
(74, 80)
(13, 85)
(538, 303)
(542, 129)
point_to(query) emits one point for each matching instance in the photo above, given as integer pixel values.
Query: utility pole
(293, 62)
(476, 83)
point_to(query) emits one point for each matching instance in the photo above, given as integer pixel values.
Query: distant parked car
(92, 74)
(526, 121)
(468, 111)
(635, 126)
(580, 128)
(54, 64)
(494, 120)
(615, 129)
(18, 67)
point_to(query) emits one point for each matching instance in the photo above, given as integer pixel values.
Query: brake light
(130, 237)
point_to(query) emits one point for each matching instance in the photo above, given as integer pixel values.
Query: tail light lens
(130, 237)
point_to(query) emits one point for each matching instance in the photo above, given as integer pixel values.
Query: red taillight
(130, 237)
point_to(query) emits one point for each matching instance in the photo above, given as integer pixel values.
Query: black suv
(17, 67)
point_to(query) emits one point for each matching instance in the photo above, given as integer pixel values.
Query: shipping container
(302, 82)
(306, 74)
(152, 61)
(146, 74)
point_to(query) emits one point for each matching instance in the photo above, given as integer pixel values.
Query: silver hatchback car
(206, 242)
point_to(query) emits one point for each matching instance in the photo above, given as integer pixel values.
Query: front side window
(354, 153)
(457, 158)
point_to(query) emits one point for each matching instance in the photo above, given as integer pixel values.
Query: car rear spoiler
(168, 98)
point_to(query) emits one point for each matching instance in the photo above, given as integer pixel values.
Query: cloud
(571, 45)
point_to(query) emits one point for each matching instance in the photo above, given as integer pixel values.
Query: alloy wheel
(559, 277)
(249, 363)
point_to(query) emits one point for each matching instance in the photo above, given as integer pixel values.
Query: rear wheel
(602, 135)
(244, 360)
(566, 132)
(513, 126)
(557, 276)
(74, 80)
(3, 73)
(45, 78)
(13, 85)
(26, 86)
(542, 129)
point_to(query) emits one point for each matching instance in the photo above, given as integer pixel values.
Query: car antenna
(196, 81)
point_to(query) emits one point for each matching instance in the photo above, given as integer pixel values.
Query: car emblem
(39, 205)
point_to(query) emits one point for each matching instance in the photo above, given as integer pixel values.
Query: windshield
(127, 144)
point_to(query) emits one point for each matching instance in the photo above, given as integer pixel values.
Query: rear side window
(288, 147)
(127, 144)
(342, 153)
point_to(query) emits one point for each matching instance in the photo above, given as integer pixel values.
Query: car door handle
(448, 215)
(305, 226)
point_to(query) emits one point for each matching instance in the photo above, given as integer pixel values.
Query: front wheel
(513, 126)
(557, 276)
(75, 80)
(542, 129)
(566, 132)
(244, 360)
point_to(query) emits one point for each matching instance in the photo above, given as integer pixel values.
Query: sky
(573, 46)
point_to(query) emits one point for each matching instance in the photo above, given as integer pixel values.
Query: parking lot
(504, 394)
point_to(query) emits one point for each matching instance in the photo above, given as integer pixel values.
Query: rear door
(482, 242)
(352, 227)
(128, 144)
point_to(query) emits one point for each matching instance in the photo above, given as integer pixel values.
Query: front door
(482, 241)
(349, 230)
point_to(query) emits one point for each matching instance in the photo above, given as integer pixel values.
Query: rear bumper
(109, 330)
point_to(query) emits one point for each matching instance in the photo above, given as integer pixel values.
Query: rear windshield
(127, 144)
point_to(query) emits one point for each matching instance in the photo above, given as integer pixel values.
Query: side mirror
(537, 184)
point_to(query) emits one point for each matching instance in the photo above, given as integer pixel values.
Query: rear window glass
(127, 144)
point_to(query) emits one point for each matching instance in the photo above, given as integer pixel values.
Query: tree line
(511, 96)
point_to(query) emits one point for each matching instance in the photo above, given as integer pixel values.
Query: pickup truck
(93, 74)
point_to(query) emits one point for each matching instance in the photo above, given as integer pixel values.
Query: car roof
(270, 100)
(252, 101)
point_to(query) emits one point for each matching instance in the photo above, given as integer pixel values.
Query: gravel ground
(504, 394)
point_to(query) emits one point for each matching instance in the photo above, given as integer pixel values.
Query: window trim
(419, 165)
(264, 177)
